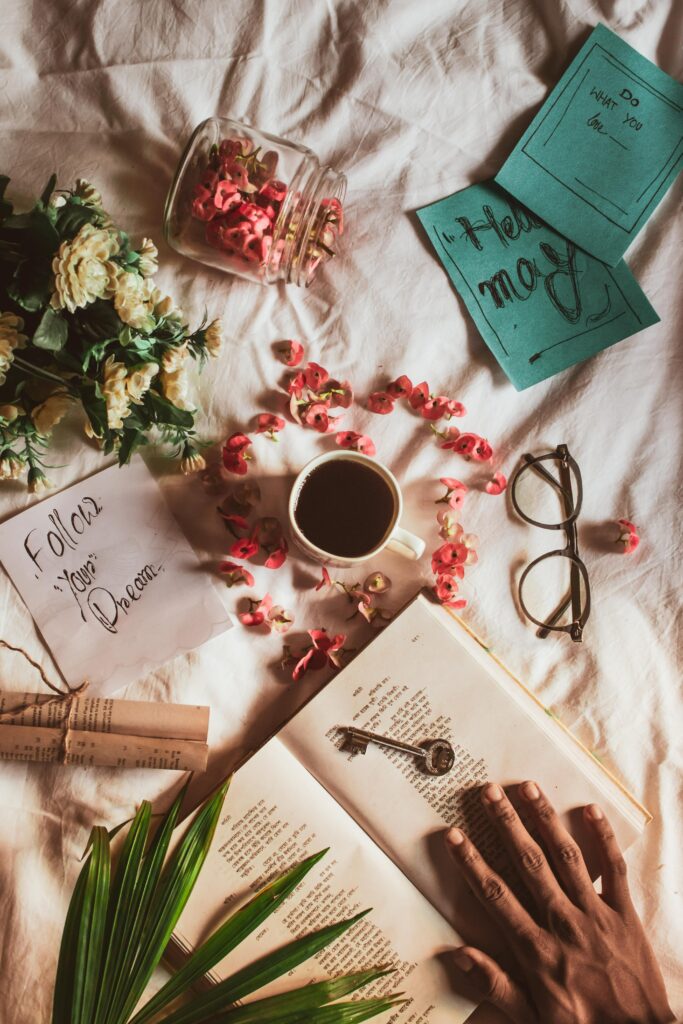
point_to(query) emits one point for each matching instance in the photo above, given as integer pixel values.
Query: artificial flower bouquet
(82, 324)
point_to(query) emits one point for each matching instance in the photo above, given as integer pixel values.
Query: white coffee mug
(395, 539)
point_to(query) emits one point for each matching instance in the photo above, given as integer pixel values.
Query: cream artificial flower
(175, 386)
(37, 481)
(11, 337)
(174, 358)
(115, 394)
(11, 467)
(174, 381)
(87, 193)
(48, 414)
(148, 264)
(166, 307)
(138, 382)
(9, 412)
(213, 336)
(133, 301)
(83, 269)
(192, 463)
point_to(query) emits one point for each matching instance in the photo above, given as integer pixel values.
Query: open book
(425, 676)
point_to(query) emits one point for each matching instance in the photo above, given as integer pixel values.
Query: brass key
(436, 757)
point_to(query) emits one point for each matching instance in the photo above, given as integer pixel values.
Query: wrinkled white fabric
(413, 101)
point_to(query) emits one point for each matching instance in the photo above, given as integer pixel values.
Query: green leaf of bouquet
(72, 216)
(171, 895)
(299, 1003)
(166, 412)
(52, 331)
(98, 322)
(91, 929)
(31, 285)
(5, 205)
(260, 973)
(228, 936)
(95, 353)
(122, 906)
(131, 440)
(48, 190)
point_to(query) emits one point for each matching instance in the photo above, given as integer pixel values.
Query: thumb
(483, 979)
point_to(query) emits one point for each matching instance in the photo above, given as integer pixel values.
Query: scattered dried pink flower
(355, 442)
(235, 575)
(628, 537)
(496, 484)
(291, 353)
(269, 424)
(381, 403)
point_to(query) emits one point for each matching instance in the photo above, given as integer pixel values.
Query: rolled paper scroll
(102, 731)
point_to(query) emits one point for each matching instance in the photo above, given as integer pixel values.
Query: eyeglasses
(547, 492)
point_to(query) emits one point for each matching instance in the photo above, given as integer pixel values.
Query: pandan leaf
(52, 331)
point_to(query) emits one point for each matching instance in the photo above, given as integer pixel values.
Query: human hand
(581, 958)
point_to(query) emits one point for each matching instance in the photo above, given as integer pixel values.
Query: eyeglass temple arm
(542, 471)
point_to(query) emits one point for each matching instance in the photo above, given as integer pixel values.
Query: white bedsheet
(412, 100)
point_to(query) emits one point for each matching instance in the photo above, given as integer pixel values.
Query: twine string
(66, 698)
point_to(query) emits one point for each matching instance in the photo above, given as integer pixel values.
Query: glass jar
(254, 205)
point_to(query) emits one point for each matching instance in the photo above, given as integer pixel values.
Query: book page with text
(417, 682)
(275, 815)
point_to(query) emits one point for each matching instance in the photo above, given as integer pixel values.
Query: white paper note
(109, 578)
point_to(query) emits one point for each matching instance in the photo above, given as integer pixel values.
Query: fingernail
(594, 812)
(531, 791)
(455, 837)
(493, 793)
(463, 961)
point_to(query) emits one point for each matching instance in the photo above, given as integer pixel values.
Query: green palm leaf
(116, 933)
(226, 938)
(260, 973)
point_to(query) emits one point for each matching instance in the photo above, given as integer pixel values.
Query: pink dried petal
(291, 353)
(400, 388)
(268, 423)
(496, 484)
(315, 376)
(381, 403)
(245, 548)
(316, 416)
(420, 395)
(235, 574)
(377, 583)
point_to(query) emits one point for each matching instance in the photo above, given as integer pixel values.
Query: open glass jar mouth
(252, 204)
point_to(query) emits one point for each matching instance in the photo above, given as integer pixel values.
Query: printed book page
(416, 682)
(275, 815)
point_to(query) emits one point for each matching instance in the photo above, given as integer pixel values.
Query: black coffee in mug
(345, 507)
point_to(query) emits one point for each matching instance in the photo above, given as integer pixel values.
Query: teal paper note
(540, 303)
(603, 149)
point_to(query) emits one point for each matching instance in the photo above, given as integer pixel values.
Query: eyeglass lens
(546, 492)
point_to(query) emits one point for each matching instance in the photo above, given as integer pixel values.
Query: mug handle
(405, 543)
